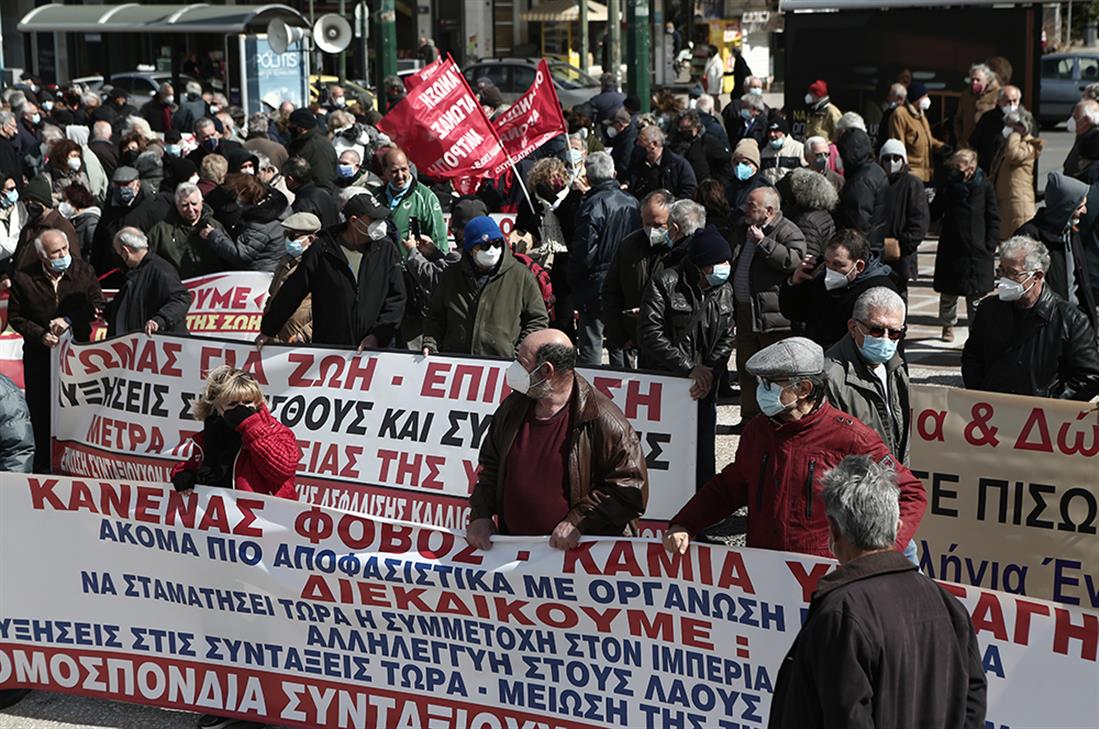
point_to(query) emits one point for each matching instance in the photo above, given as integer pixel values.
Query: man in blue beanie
(686, 328)
(486, 303)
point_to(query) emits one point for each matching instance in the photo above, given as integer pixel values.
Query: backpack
(542, 277)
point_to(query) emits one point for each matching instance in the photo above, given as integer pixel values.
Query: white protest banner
(385, 433)
(1013, 492)
(281, 612)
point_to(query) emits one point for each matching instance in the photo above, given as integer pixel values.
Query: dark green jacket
(463, 318)
(182, 246)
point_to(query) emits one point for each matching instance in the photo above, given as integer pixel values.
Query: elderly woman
(211, 172)
(1013, 172)
(64, 167)
(79, 208)
(980, 97)
(241, 446)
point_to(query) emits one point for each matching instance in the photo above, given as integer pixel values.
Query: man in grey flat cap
(129, 205)
(782, 456)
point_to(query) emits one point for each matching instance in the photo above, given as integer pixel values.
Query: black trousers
(36, 376)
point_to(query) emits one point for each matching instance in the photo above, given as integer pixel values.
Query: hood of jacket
(812, 190)
(855, 149)
(268, 210)
(874, 267)
(1063, 196)
(237, 157)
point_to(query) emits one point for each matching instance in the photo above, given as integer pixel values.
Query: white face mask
(488, 259)
(1072, 125)
(376, 230)
(1011, 290)
(924, 103)
(1010, 108)
(66, 209)
(834, 279)
(169, 99)
(73, 163)
(895, 166)
(1008, 131)
(518, 378)
(809, 99)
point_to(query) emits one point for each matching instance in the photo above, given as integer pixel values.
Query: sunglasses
(879, 332)
(489, 245)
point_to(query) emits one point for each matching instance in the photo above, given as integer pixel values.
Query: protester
(906, 217)
(621, 131)
(821, 295)
(153, 298)
(559, 458)
(909, 124)
(354, 276)
(707, 155)
(823, 114)
(862, 199)
(211, 172)
(257, 141)
(641, 257)
(867, 377)
(768, 249)
(660, 168)
(782, 153)
(782, 457)
(411, 200)
(1012, 172)
(301, 231)
(686, 327)
(977, 99)
(210, 140)
(309, 197)
(876, 626)
(162, 113)
(1084, 123)
(988, 136)
(898, 94)
(746, 177)
(608, 100)
(182, 238)
(50, 295)
(711, 123)
(308, 143)
(11, 157)
(351, 171)
(749, 121)
(606, 216)
(713, 75)
(812, 200)
(486, 303)
(1057, 225)
(821, 157)
(258, 241)
(12, 218)
(79, 208)
(1027, 340)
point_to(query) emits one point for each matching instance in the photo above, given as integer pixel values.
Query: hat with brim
(789, 359)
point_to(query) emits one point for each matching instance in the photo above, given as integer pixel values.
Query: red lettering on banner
(696, 633)
(182, 507)
(988, 616)
(147, 506)
(215, 517)
(734, 573)
(807, 580)
(435, 379)
(603, 619)
(331, 460)
(1023, 610)
(1087, 633)
(622, 559)
(248, 509)
(1036, 419)
(663, 563)
(210, 357)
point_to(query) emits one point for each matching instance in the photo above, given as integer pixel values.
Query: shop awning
(138, 18)
(791, 5)
(565, 11)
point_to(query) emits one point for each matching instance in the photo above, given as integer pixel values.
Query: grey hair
(1035, 254)
(258, 123)
(653, 133)
(662, 197)
(262, 160)
(705, 104)
(132, 238)
(599, 167)
(898, 91)
(90, 99)
(1091, 91)
(194, 87)
(878, 298)
(850, 120)
(38, 240)
(771, 197)
(687, 215)
(186, 189)
(813, 141)
(691, 116)
(6, 117)
(50, 134)
(813, 191)
(353, 151)
(102, 130)
(748, 81)
(1090, 110)
(752, 101)
(982, 69)
(203, 123)
(862, 498)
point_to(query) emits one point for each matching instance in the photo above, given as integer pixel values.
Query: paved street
(932, 362)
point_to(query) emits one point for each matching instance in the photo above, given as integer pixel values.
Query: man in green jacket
(181, 238)
(486, 303)
(411, 200)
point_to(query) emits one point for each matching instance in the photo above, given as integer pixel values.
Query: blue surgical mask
(294, 247)
(745, 114)
(397, 191)
(574, 157)
(9, 198)
(173, 150)
(125, 194)
(744, 171)
(769, 399)
(658, 237)
(60, 265)
(777, 143)
(720, 274)
(346, 171)
(877, 350)
(211, 144)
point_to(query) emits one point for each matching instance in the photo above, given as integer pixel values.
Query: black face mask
(35, 210)
(545, 191)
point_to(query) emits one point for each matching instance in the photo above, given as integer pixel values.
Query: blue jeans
(589, 338)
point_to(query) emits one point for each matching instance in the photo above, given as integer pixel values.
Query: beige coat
(971, 108)
(910, 125)
(823, 123)
(298, 329)
(1013, 178)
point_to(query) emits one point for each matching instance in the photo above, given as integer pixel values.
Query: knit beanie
(480, 230)
(895, 147)
(708, 246)
(748, 149)
(38, 190)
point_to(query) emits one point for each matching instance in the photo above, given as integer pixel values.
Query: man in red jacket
(782, 456)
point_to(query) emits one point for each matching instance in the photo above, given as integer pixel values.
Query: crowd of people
(671, 241)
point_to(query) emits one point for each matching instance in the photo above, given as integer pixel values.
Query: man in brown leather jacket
(560, 459)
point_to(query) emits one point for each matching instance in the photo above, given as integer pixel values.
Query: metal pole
(364, 12)
(1068, 31)
(583, 35)
(386, 43)
(638, 75)
(342, 62)
(614, 20)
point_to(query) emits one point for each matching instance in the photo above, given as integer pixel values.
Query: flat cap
(793, 357)
(302, 223)
(125, 174)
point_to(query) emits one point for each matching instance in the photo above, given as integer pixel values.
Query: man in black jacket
(1027, 340)
(660, 168)
(862, 199)
(129, 205)
(152, 299)
(621, 138)
(686, 328)
(906, 216)
(876, 626)
(708, 156)
(308, 196)
(308, 143)
(353, 272)
(606, 216)
(821, 294)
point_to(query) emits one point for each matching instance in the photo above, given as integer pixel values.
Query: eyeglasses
(1018, 276)
(879, 332)
(489, 245)
(769, 383)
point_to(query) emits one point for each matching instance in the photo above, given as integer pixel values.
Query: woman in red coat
(241, 446)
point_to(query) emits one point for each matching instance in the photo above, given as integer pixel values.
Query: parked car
(142, 85)
(1064, 78)
(513, 76)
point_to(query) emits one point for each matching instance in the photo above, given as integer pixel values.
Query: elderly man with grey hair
(152, 298)
(641, 256)
(606, 216)
(258, 141)
(181, 238)
(11, 158)
(875, 626)
(1027, 340)
(162, 113)
(659, 168)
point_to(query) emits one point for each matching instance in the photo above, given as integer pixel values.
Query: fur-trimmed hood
(812, 190)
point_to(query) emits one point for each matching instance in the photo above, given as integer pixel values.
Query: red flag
(413, 80)
(534, 119)
(443, 129)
